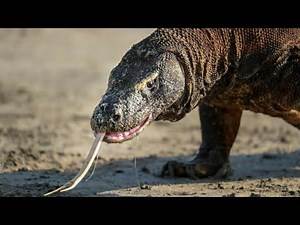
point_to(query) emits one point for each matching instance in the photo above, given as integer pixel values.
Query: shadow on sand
(121, 174)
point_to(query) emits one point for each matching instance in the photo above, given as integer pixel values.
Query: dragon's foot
(197, 168)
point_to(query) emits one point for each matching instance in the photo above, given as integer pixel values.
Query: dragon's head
(143, 87)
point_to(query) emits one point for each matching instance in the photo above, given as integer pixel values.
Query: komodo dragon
(223, 71)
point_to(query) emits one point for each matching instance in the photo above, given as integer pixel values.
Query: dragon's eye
(151, 84)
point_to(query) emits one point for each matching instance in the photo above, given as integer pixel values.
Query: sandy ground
(50, 82)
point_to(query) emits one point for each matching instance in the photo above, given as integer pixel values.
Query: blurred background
(51, 80)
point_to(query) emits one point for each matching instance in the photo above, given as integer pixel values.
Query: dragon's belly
(257, 98)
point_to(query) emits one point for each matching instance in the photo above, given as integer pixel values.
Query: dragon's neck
(204, 55)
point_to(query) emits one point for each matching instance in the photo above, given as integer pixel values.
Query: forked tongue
(84, 169)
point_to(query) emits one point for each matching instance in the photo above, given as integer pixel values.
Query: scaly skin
(223, 71)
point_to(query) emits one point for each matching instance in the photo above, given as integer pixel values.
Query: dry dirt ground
(50, 82)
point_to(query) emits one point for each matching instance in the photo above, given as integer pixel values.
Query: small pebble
(145, 187)
(255, 195)
(292, 192)
(230, 195)
(220, 186)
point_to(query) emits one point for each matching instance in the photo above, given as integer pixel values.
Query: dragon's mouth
(118, 137)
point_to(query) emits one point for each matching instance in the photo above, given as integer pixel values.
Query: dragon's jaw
(119, 137)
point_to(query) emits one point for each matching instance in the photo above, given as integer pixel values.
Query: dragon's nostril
(116, 117)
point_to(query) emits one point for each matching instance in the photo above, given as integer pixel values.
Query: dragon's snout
(108, 115)
(119, 117)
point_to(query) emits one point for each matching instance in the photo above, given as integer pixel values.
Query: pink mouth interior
(126, 135)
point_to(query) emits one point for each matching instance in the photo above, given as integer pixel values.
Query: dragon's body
(223, 71)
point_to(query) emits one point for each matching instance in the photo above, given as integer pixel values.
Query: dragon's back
(251, 40)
